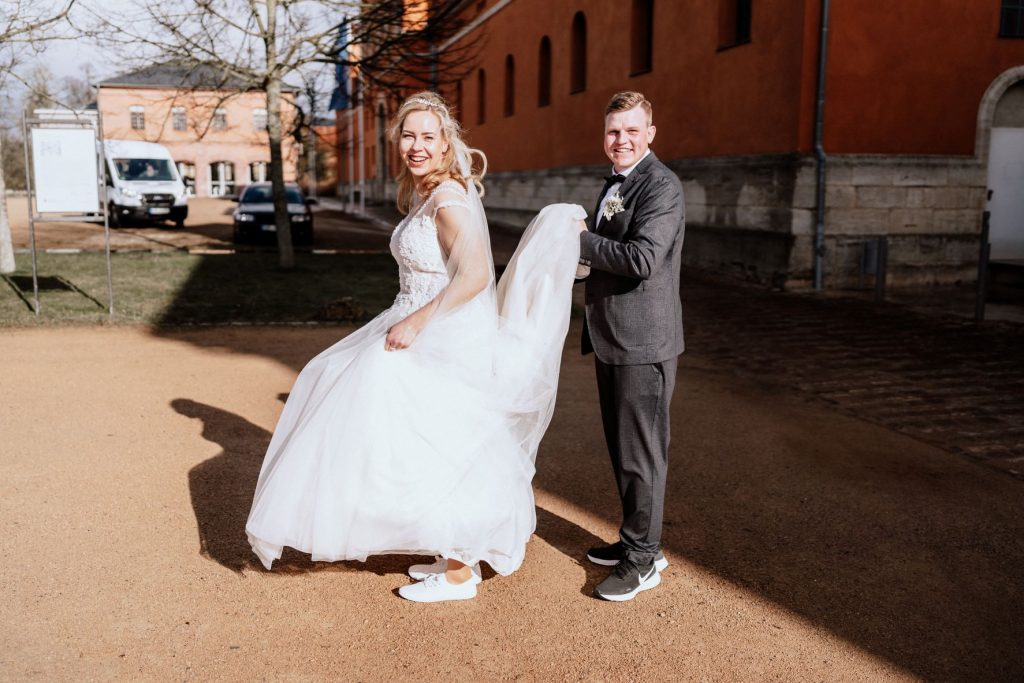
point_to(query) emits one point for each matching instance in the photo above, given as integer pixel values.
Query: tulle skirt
(398, 452)
(429, 450)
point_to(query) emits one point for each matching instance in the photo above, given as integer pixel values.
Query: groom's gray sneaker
(626, 580)
(611, 555)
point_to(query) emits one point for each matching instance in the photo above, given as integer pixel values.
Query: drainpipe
(819, 150)
(433, 67)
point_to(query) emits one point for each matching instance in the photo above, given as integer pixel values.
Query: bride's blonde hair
(449, 166)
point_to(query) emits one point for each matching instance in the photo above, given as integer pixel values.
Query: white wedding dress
(428, 450)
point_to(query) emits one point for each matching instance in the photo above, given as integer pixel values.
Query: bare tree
(25, 25)
(266, 44)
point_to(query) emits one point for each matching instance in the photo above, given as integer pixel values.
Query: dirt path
(805, 545)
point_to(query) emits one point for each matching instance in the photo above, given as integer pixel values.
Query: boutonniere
(613, 205)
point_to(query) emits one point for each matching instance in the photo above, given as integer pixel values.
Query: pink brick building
(215, 130)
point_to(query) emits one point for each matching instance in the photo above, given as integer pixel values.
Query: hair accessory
(425, 103)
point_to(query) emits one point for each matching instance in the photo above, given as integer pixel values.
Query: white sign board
(64, 164)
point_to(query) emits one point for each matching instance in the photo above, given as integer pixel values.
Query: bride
(417, 433)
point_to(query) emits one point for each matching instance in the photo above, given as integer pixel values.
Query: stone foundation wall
(753, 217)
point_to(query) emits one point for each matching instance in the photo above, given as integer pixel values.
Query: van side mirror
(312, 201)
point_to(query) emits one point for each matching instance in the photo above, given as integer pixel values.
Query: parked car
(254, 217)
(143, 184)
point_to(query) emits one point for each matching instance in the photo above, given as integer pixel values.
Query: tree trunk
(274, 128)
(6, 247)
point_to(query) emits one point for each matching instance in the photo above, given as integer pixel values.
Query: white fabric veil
(509, 336)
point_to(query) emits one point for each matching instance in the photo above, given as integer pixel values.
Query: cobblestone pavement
(937, 378)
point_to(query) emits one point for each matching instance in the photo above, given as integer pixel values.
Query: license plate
(158, 211)
(268, 228)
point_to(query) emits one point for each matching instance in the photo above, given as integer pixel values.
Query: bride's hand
(402, 333)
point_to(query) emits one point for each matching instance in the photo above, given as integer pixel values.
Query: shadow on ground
(917, 560)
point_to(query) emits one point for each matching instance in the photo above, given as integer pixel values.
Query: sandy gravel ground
(805, 545)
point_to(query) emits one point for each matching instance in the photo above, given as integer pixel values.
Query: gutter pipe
(819, 150)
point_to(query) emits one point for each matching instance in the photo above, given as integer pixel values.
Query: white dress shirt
(615, 187)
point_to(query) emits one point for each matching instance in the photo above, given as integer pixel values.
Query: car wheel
(113, 218)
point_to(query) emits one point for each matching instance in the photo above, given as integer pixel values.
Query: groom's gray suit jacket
(633, 312)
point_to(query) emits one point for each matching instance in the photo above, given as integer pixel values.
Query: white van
(143, 183)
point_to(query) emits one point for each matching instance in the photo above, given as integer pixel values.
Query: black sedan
(254, 217)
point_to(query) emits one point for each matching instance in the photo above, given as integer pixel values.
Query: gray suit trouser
(635, 413)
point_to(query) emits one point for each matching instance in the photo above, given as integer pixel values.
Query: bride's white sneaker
(422, 571)
(435, 588)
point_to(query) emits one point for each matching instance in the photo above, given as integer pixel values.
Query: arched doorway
(1006, 176)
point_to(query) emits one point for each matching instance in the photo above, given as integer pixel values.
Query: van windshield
(144, 169)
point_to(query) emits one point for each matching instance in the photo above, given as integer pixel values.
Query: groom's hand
(582, 225)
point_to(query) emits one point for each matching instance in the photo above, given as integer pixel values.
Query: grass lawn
(176, 288)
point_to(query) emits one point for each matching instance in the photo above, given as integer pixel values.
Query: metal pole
(29, 196)
(985, 253)
(351, 161)
(311, 154)
(101, 162)
(362, 160)
(819, 150)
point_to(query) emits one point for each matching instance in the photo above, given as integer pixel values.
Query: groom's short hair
(626, 100)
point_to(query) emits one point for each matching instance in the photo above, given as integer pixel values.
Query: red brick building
(916, 94)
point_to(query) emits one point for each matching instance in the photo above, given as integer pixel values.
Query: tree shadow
(573, 541)
(904, 551)
(222, 488)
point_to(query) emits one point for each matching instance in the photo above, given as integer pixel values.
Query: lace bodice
(422, 271)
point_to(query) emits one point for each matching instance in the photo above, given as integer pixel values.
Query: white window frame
(220, 119)
(259, 118)
(137, 117)
(177, 112)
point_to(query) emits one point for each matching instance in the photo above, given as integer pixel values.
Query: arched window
(544, 73)
(641, 55)
(734, 19)
(510, 85)
(578, 63)
(481, 96)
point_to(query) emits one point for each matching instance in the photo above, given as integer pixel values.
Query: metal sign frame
(66, 120)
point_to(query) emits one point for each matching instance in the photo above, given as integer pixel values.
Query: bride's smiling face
(422, 144)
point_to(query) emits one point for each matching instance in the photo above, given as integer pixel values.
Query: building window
(222, 179)
(578, 63)
(641, 53)
(187, 171)
(179, 119)
(510, 85)
(481, 96)
(1011, 20)
(734, 19)
(138, 117)
(544, 73)
(258, 172)
(220, 119)
(259, 119)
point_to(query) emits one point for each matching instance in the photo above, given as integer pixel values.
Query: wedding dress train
(428, 450)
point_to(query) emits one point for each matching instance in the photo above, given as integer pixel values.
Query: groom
(634, 326)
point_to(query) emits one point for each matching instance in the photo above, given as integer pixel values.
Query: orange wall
(908, 76)
(707, 102)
